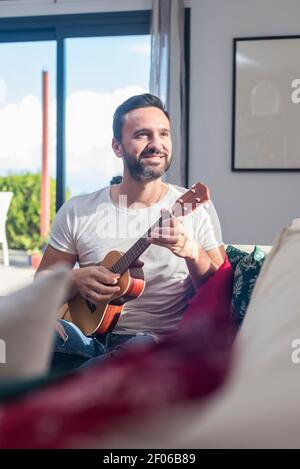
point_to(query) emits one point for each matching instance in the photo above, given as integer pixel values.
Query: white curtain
(167, 76)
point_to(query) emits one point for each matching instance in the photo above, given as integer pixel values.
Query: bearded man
(183, 253)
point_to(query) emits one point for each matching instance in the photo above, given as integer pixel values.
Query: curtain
(167, 76)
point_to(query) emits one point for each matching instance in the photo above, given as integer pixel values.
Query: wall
(58, 7)
(252, 207)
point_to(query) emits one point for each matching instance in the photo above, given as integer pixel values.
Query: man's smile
(153, 155)
(153, 158)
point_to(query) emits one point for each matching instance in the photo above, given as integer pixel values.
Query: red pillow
(214, 296)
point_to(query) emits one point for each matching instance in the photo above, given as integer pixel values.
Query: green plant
(23, 222)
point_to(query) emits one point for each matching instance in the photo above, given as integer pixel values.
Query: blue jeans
(76, 348)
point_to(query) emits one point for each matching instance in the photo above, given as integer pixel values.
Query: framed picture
(266, 104)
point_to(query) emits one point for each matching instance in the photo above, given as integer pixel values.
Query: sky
(101, 73)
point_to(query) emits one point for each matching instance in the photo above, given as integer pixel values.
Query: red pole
(45, 181)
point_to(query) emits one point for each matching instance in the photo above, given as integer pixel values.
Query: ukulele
(102, 317)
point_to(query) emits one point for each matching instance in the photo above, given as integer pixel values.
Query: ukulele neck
(188, 202)
(135, 251)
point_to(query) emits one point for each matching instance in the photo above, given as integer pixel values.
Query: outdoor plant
(23, 222)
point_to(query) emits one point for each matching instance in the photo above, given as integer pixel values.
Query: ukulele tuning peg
(193, 191)
(198, 199)
(180, 201)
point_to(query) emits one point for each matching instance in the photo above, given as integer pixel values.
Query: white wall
(252, 207)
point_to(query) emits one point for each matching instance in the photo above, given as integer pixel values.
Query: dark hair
(135, 102)
(116, 180)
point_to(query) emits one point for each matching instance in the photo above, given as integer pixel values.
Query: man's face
(146, 146)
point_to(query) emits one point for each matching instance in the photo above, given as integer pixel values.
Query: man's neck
(138, 193)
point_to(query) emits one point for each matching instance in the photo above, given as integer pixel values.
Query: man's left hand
(172, 235)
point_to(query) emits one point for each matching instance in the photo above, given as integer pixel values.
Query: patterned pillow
(246, 269)
(234, 255)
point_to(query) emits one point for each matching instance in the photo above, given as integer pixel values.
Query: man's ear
(117, 148)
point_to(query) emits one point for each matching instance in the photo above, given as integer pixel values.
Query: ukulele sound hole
(91, 306)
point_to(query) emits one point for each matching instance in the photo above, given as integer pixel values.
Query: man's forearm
(72, 291)
(200, 266)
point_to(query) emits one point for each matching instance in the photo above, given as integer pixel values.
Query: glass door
(101, 72)
(26, 134)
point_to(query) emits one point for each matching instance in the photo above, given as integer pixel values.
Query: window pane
(101, 73)
(21, 69)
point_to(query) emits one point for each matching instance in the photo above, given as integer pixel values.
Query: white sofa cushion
(249, 247)
(27, 319)
(261, 405)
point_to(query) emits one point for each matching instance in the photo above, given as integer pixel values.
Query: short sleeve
(62, 232)
(207, 227)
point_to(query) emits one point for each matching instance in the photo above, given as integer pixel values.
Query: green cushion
(234, 255)
(246, 269)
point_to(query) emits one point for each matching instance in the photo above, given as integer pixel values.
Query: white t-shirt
(92, 225)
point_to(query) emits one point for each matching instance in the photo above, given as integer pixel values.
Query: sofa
(213, 386)
(259, 404)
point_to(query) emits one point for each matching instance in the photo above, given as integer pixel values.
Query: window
(101, 73)
(21, 72)
(84, 57)
(93, 60)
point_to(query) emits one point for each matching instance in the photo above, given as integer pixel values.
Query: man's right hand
(95, 283)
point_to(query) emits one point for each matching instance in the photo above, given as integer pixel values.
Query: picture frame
(266, 104)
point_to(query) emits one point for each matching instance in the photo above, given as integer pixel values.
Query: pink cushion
(214, 296)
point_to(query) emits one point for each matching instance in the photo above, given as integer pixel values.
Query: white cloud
(88, 136)
(20, 133)
(141, 48)
(2, 91)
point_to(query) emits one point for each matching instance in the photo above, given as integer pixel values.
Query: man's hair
(116, 180)
(135, 102)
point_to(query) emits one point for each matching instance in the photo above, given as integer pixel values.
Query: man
(182, 255)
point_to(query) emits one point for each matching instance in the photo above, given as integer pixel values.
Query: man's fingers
(102, 274)
(103, 289)
(167, 217)
(95, 297)
(164, 232)
(164, 240)
(137, 263)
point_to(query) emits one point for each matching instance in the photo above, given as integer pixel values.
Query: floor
(17, 275)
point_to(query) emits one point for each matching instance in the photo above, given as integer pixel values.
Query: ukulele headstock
(190, 200)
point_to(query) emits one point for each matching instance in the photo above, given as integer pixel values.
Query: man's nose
(155, 143)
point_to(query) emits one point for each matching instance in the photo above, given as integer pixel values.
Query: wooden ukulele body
(103, 316)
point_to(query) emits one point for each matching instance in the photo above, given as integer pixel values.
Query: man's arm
(50, 258)
(201, 264)
(95, 283)
(204, 263)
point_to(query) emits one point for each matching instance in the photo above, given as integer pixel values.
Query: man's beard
(141, 172)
